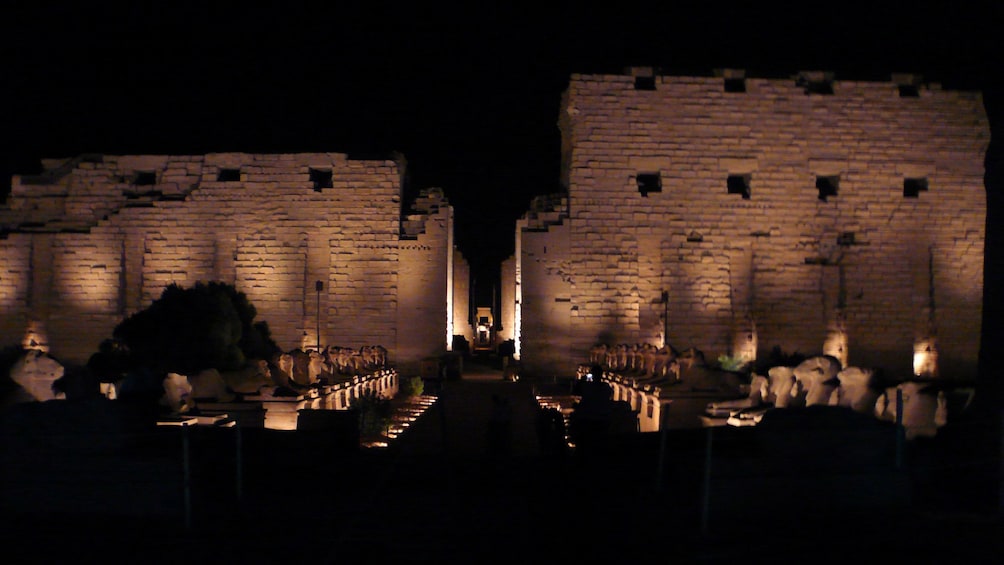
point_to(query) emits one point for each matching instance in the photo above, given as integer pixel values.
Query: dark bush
(375, 412)
(186, 330)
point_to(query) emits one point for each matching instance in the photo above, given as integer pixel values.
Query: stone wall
(97, 238)
(424, 281)
(507, 300)
(545, 287)
(770, 212)
(462, 297)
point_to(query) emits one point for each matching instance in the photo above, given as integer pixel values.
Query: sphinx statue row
(306, 367)
(36, 376)
(644, 359)
(289, 373)
(821, 381)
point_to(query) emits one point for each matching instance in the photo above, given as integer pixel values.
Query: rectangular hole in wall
(229, 175)
(823, 87)
(815, 84)
(644, 83)
(144, 178)
(909, 91)
(735, 85)
(827, 186)
(649, 182)
(321, 178)
(913, 187)
(739, 184)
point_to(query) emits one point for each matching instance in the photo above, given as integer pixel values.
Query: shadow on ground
(450, 490)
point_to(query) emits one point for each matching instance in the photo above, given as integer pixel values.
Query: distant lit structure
(484, 337)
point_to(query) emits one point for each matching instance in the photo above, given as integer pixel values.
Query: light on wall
(35, 337)
(745, 342)
(517, 329)
(664, 297)
(925, 358)
(318, 286)
(835, 345)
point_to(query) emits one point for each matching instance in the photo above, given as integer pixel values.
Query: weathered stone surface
(95, 240)
(35, 371)
(661, 265)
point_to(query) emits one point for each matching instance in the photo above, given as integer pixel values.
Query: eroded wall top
(78, 193)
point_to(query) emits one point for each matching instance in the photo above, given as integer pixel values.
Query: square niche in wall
(735, 85)
(644, 83)
(649, 182)
(229, 175)
(827, 186)
(739, 184)
(144, 178)
(815, 84)
(913, 187)
(320, 178)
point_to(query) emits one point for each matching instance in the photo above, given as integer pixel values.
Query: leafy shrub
(412, 387)
(374, 412)
(186, 330)
(729, 363)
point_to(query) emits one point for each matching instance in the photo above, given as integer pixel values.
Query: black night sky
(470, 97)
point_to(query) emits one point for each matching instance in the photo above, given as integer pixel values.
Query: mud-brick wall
(423, 283)
(462, 297)
(273, 225)
(507, 299)
(886, 267)
(546, 303)
(16, 292)
(60, 290)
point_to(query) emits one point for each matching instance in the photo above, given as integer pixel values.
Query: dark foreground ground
(444, 494)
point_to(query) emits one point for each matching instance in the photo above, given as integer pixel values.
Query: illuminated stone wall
(426, 251)
(99, 237)
(15, 286)
(546, 287)
(462, 297)
(507, 299)
(772, 212)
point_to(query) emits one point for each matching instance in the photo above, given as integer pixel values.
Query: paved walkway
(454, 492)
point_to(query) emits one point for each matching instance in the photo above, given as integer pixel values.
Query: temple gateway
(729, 213)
